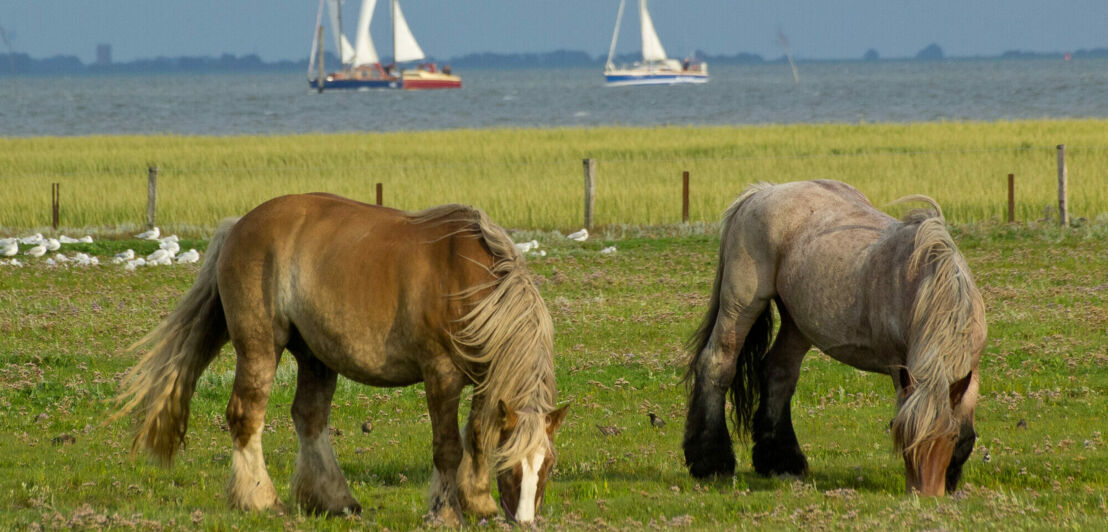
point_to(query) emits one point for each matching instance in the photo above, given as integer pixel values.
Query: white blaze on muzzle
(528, 487)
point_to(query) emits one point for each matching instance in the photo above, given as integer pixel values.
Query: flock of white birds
(36, 246)
(532, 247)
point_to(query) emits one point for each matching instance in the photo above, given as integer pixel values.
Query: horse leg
(707, 445)
(776, 451)
(474, 486)
(444, 384)
(250, 487)
(318, 484)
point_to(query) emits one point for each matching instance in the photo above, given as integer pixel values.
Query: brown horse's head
(521, 479)
(934, 461)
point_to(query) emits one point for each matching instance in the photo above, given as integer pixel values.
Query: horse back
(369, 291)
(835, 263)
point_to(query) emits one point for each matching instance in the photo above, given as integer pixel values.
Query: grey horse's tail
(746, 385)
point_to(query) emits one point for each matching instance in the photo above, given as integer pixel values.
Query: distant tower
(103, 54)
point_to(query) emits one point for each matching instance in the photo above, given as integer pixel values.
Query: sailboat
(655, 68)
(361, 66)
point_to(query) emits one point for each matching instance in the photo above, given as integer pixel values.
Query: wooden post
(151, 196)
(380, 194)
(590, 189)
(685, 197)
(55, 203)
(1011, 198)
(319, 40)
(1063, 209)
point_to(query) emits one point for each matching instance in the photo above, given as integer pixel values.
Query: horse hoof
(771, 460)
(712, 465)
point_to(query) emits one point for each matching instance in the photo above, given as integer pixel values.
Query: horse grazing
(385, 298)
(886, 296)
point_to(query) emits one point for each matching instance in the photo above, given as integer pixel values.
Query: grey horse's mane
(947, 322)
(506, 341)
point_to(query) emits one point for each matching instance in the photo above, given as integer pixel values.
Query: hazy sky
(823, 29)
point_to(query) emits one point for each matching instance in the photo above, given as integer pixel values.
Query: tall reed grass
(532, 178)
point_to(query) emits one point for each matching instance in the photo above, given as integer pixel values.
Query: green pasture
(532, 178)
(621, 320)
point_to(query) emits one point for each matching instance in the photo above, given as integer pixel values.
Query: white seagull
(579, 236)
(152, 234)
(525, 247)
(171, 246)
(37, 251)
(132, 264)
(67, 239)
(608, 250)
(189, 257)
(158, 257)
(83, 259)
(60, 259)
(87, 239)
(52, 244)
(123, 256)
(9, 247)
(32, 240)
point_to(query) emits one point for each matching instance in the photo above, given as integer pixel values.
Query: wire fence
(545, 193)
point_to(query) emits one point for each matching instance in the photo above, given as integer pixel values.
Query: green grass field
(621, 320)
(532, 178)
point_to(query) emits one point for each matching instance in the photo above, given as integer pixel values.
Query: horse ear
(555, 419)
(508, 417)
(907, 385)
(958, 389)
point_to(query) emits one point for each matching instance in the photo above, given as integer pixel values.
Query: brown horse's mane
(946, 326)
(505, 342)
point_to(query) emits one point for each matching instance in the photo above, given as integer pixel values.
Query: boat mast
(392, 13)
(615, 35)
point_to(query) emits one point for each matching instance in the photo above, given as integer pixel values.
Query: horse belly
(821, 291)
(361, 352)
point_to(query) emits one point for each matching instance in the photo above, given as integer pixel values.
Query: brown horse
(385, 298)
(886, 296)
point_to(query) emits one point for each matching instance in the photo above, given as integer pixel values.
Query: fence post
(1063, 209)
(151, 196)
(1011, 198)
(380, 194)
(685, 197)
(55, 203)
(590, 189)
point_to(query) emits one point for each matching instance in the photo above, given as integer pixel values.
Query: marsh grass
(621, 321)
(532, 178)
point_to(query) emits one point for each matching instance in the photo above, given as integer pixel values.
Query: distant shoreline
(23, 64)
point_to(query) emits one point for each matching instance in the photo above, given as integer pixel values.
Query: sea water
(281, 103)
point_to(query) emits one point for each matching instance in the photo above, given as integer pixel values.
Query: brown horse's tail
(161, 385)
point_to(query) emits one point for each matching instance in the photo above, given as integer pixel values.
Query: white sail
(317, 41)
(364, 52)
(405, 46)
(347, 51)
(615, 36)
(342, 46)
(651, 46)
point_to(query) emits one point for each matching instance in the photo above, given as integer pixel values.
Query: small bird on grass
(656, 421)
(1022, 424)
(609, 430)
(579, 236)
(152, 234)
(367, 427)
(37, 251)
